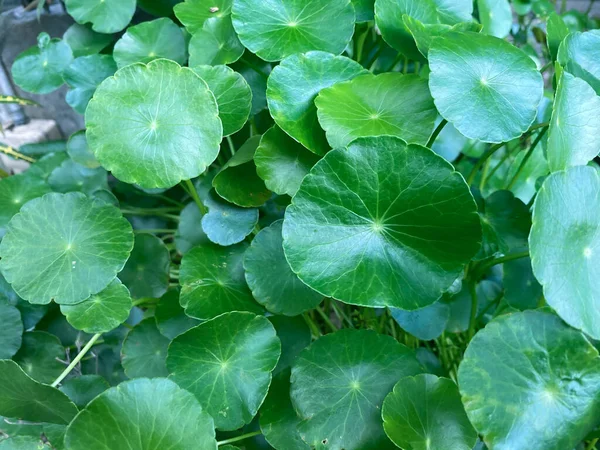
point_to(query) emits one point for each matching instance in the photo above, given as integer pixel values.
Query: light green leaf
(170, 317)
(144, 351)
(148, 41)
(64, 247)
(426, 323)
(293, 86)
(370, 222)
(194, 13)
(189, 229)
(495, 16)
(374, 105)
(24, 443)
(556, 32)
(84, 75)
(529, 381)
(84, 41)
(11, 329)
(147, 414)
(454, 11)
(154, 125)
(79, 151)
(216, 43)
(565, 246)
(227, 224)
(424, 412)
(226, 363)
(84, 388)
(579, 54)
(40, 355)
(281, 28)
(106, 16)
(470, 88)
(73, 177)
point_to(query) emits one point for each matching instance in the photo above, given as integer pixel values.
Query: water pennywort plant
(302, 224)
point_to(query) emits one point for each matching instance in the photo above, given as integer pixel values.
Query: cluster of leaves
(302, 224)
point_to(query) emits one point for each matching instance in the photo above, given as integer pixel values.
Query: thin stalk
(496, 167)
(342, 313)
(526, 158)
(239, 438)
(326, 319)
(485, 175)
(546, 66)
(493, 149)
(141, 301)
(129, 212)
(395, 63)
(483, 268)
(360, 43)
(538, 126)
(3, 174)
(76, 360)
(156, 231)
(405, 66)
(371, 63)
(15, 154)
(563, 6)
(592, 444)
(587, 13)
(473, 316)
(312, 325)
(195, 196)
(436, 133)
(231, 145)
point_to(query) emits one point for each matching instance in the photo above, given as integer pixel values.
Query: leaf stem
(132, 212)
(592, 444)
(312, 325)
(155, 231)
(194, 194)
(341, 313)
(493, 149)
(326, 319)
(395, 62)
(526, 158)
(483, 268)
(231, 145)
(239, 438)
(436, 133)
(371, 63)
(15, 154)
(76, 360)
(473, 316)
(546, 66)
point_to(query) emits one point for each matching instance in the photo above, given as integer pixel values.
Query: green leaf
(83, 389)
(144, 351)
(102, 312)
(270, 278)
(189, 229)
(79, 151)
(84, 41)
(106, 16)
(146, 272)
(227, 224)
(212, 280)
(46, 164)
(73, 177)
(282, 162)
(193, 13)
(293, 86)
(162, 117)
(158, 7)
(556, 32)
(295, 336)
(470, 88)
(425, 411)
(426, 323)
(281, 28)
(257, 80)
(64, 247)
(84, 75)
(24, 443)
(216, 43)
(148, 41)
(374, 105)
(339, 394)
(170, 317)
(147, 414)
(11, 330)
(578, 54)
(454, 11)
(23, 398)
(226, 363)
(488, 291)
(233, 95)
(17, 190)
(40, 69)
(572, 137)
(528, 380)
(381, 216)
(564, 243)
(521, 289)
(495, 16)
(364, 10)
(40, 356)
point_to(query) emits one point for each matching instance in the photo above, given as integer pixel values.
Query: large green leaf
(216, 43)
(579, 54)
(270, 278)
(106, 16)
(142, 414)
(84, 41)
(11, 329)
(339, 384)
(23, 398)
(154, 125)
(144, 351)
(64, 247)
(565, 246)
(212, 279)
(40, 69)
(293, 86)
(374, 105)
(148, 41)
(102, 312)
(475, 79)
(372, 221)
(227, 224)
(226, 363)
(495, 16)
(40, 356)
(84, 75)
(425, 412)
(193, 13)
(280, 28)
(529, 381)
(572, 137)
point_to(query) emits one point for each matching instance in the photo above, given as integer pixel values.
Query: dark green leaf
(426, 323)
(84, 75)
(81, 390)
(144, 352)
(295, 336)
(170, 317)
(40, 356)
(84, 41)
(11, 329)
(73, 177)
(216, 43)
(227, 224)
(556, 32)
(189, 229)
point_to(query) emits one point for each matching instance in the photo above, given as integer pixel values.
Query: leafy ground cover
(302, 224)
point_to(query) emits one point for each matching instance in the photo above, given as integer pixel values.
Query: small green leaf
(73, 177)
(170, 317)
(84, 75)
(521, 289)
(295, 336)
(578, 54)
(83, 389)
(189, 229)
(147, 414)
(154, 125)
(281, 28)
(556, 32)
(106, 16)
(84, 41)
(64, 247)
(216, 43)
(374, 105)
(11, 330)
(227, 224)
(212, 280)
(495, 16)
(79, 151)
(226, 363)
(426, 323)
(425, 411)
(194, 13)
(144, 351)
(528, 380)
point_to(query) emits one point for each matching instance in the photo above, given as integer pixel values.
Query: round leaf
(293, 86)
(84, 75)
(144, 351)
(72, 177)
(40, 355)
(281, 28)
(64, 247)
(521, 289)
(83, 389)
(79, 151)
(374, 105)
(339, 394)
(212, 279)
(84, 41)
(171, 319)
(565, 246)
(227, 224)
(425, 411)
(426, 323)
(10, 331)
(371, 222)
(496, 17)
(102, 312)
(579, 54)
(474, 78)
(226, 363)
(270, 278)
(147, 414)
(154, 125)
(216, 43)
(106, 16)
(148, 41)
(528, 380)
(189, 229)
(454, 11)
(193, 13)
